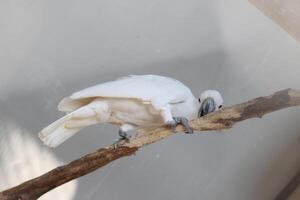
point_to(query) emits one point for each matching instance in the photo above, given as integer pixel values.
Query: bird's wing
(150, 89)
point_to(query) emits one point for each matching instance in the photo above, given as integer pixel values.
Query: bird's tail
(56, 133)
(67, 126)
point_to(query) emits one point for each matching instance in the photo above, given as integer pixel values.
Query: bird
(131, 102)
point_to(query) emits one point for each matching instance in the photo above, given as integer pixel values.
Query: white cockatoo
(135, 101)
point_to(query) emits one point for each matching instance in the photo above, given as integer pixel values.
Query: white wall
(49, 49)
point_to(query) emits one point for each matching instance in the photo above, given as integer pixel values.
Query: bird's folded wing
(157, 90)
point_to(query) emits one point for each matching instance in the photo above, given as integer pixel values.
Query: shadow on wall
(21, 159)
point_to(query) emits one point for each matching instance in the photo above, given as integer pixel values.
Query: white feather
(64, 128)
(56, 133)
(158, 90)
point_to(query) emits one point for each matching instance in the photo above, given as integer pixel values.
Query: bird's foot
(123, 138)
(116, 144)
(184, 122)
(122, 134)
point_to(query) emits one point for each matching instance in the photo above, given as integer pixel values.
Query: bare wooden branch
(223, 119)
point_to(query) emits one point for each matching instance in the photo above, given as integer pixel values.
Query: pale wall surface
(49, 49)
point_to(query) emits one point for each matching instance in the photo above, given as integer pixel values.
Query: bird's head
(210, 100)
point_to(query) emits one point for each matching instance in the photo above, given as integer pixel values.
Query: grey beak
(207, 106)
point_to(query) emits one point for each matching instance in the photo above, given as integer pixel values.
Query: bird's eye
(220, 106)
(199, 100)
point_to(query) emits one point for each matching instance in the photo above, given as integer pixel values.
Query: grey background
(51, 48)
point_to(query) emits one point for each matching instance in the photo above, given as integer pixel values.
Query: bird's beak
(207, 106)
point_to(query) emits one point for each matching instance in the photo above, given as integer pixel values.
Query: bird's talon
(185, 123)
(120, 141)
(115, 145)
(189, 131)
(122, 134)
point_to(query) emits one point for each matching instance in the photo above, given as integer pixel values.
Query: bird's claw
(188, 130)
(123, 138)
(120, 142)
(116, 144)
(123, 134)
(184, 122)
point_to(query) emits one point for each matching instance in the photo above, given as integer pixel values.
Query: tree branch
(223, 119)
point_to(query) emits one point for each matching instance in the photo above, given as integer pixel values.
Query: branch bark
(220, 120)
